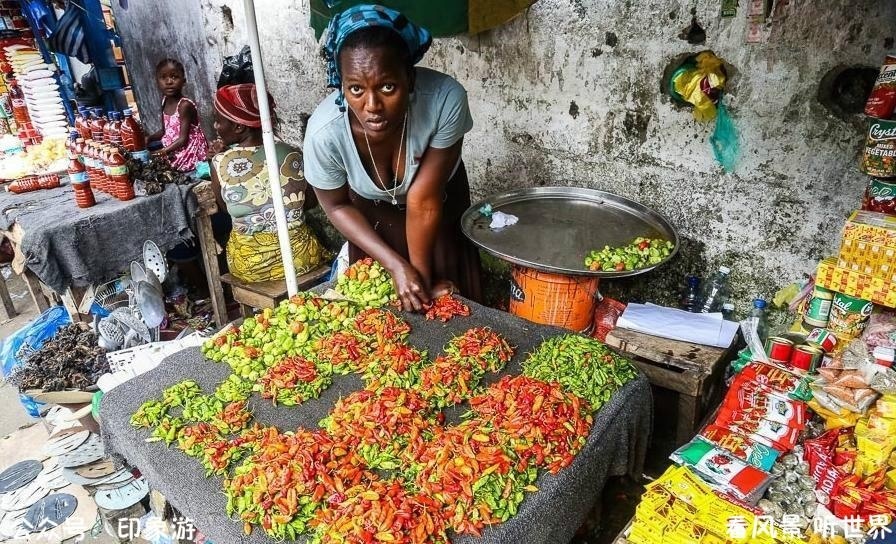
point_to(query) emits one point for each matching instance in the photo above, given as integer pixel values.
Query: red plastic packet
(605, 317)
(750, 396)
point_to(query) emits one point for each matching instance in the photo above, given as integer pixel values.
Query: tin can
(779, 349)
(879, 157)
(882, 100)
(806, 358)
(818, 309)
(849, 316)
(880, 196)
(822, 338)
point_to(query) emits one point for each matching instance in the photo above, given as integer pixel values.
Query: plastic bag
(15, 349)
(881, 330)
(605, 317)
(237, 69)
(725, 141)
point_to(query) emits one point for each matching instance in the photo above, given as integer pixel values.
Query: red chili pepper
(445, 308)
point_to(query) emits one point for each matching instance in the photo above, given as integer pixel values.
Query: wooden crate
(693, 371)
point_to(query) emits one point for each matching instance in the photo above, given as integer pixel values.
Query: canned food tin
(823, 339)
(779, 349)
(806, 358)
(818, 310)
(849, 316)
(880, 196)
(879, 157)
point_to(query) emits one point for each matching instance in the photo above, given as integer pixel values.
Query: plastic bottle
(690, 296)
(758, 313)
(89, 154)
(97, 124)
(113, 130)
(72, 140)
(728, 311)
(133, 138)
(80, 181)
(715, 291)
(19, 106)
(119, 178)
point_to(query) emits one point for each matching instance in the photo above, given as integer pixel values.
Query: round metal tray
(559, 226)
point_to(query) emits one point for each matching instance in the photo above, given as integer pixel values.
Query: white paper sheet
(674, 324)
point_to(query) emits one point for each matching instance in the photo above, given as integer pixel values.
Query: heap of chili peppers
(233, 418)
(222, 454)
(583, 366)
(488, 349)
(383, 511)
(367, 283)
(380, 326)
(541, 422)
(293, 381)
(445, 308)
(394, 365)
(448, 381)
(193, 439)
(344, 352)
(381, 426)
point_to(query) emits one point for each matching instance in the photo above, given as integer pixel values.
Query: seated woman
(240, 180)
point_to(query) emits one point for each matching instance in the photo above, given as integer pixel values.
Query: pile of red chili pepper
(221, 454)
(344, 352)
(542, 423)
(473, 477)
(382, 511)
(394, 365)
(448, 381)
(293, 381)
(193, 439)
(380, 326)
(445, 308)
(233, 418)
(488, 349)
(381, 427)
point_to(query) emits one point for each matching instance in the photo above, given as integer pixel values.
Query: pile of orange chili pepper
(448, 381)
(380, 326)
(233, 418)
(484, 346)
(345, 351)
(445, 308)
(394, 365)
(292, 381)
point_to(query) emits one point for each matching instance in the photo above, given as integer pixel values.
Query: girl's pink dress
(196, 150)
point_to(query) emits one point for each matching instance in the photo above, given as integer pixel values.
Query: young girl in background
(183, 141)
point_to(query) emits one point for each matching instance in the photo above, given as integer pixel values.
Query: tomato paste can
(806, 358)
(818, 309)
(882, 100)
(779, 349)
(822, 338)
(879, 157)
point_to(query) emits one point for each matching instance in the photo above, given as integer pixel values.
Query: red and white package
(749, 396)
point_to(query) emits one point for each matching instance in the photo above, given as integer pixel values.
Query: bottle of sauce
(19, 107)
(113, 130)
(119, 176)
(80, 181)
(79, 149)
(97, 124)
(133, 137)
(72, 139)
(89, 154)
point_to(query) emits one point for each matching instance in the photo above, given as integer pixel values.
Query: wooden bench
(267, 294)
(693, 371)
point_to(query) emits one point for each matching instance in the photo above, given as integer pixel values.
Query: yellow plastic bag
(700, 83)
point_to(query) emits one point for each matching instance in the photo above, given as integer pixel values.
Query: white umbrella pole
(270, 150)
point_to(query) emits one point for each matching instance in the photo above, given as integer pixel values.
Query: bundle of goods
(37, 89)
(384, 452)
(70, 360)
(154, 175)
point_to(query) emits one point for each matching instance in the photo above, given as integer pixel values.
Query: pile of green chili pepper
(367, 283)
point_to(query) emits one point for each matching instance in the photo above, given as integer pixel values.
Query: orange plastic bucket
(553, 299)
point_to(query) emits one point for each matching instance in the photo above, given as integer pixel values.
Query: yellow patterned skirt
(256, 257)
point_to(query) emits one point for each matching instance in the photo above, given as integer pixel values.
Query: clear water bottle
(728, 311)
(758, 313)
(690, 296)
(715, 291)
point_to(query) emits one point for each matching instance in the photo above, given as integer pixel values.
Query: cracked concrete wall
(569, 94)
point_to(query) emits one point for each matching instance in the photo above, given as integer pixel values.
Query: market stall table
(63, 245)
(616, 446)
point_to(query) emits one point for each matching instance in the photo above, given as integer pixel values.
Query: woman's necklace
(394, 192)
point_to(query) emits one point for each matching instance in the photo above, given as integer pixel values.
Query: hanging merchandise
(700, 82)
(69, 37)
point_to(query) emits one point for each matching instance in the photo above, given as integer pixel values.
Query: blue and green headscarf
(343, 24)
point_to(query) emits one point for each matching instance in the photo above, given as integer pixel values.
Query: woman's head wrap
(239, 103)
(343, 24)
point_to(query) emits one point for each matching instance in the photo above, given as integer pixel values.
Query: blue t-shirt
(439, 116)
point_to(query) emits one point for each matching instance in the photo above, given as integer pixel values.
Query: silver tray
(559, 226)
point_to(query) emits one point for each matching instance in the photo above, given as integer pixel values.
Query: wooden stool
(693, 371)
(267, 294)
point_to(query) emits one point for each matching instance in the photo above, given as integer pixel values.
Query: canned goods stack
(879, 157)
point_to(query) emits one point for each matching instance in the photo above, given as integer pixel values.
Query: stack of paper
(705, 329)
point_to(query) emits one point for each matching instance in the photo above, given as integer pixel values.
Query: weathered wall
(156, 30)
(568, 94)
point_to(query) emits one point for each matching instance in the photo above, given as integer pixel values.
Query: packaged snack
(726, 472)
(757, 454)
(777, 379)
(780, 436)
(774, 407)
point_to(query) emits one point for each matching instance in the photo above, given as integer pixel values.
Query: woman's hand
(215, 146)
(412, 291)
(443, 287)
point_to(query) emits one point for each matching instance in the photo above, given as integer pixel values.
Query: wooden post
(208, 248)
(8, 307)
(36, 292)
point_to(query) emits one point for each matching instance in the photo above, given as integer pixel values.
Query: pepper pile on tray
(384, 467)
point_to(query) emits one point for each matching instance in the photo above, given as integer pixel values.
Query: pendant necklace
(394, 192)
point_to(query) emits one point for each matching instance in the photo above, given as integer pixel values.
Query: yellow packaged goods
(869, 245)
(848, 282)
(886, 406)
(891, 479)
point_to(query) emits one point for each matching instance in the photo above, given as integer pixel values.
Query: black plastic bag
(237, 69)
